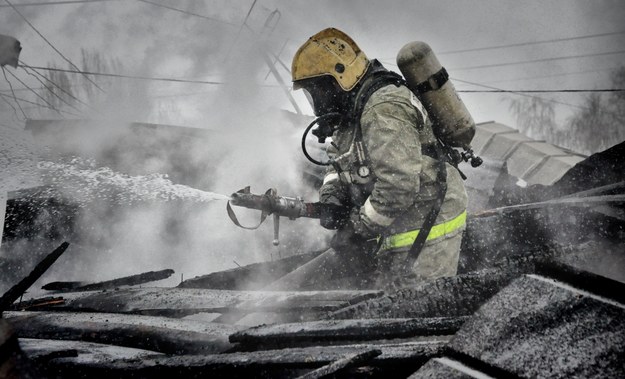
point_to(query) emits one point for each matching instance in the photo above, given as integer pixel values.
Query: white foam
(83, 182)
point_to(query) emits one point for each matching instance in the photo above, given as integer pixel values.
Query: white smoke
(133, 218)
(253, 143)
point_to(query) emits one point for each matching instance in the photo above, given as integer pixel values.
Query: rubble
(160, 334)
(132, 280)
(535, 296)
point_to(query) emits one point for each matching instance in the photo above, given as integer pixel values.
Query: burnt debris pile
(547, 320)
(539, 293)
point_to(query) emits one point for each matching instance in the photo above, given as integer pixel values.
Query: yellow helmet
(330, 52)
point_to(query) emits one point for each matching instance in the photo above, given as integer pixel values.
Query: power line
(186, 12)
(37, 104)
(537, 60)
(33, 91)
(13, 92)
(247, 16)
(128, 76)
(544, 90)
(56, 3)
(521, 94)
(50, 90)
(48, 42)
(12, 107)
(552, 75)
(530, 43)
(493, 89)
(23, 64)
(517, 93)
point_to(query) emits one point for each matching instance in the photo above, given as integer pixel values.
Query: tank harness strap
(430, 218)
(400, 240)
(434, 82)
(377, 81)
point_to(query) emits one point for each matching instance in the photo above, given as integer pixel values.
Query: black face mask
(325, 95)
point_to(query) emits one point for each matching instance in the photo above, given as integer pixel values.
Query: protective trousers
(439, 258)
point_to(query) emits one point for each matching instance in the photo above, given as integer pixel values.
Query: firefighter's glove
(334, 216)
(352, 231)
(346, 240)
(359, 226)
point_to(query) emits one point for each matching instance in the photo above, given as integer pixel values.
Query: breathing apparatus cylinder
(427, 78)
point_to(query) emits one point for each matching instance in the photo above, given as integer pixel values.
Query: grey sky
(154, 41)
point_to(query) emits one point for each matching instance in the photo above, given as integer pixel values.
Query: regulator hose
(320, 137)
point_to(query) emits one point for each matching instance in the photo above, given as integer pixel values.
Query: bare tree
(74, 90)
(596, 127)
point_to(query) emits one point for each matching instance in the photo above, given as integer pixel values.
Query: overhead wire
(49, 43)
(521, 94)
(34, 92)
(50, 90)
(544, 90)
(494, 89)
(528, 43)
(60, 88)
(551, 75)
(244, 24)
(537, 60)
(56, 3)
(129, 76)
(531, 43)
(13, 92)
(186, 12)
(3, 96)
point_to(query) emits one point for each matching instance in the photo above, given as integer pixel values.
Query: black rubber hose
(315, 121)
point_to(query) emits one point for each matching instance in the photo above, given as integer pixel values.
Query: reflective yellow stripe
(407, 238)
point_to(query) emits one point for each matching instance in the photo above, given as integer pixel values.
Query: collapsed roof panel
(543, 327)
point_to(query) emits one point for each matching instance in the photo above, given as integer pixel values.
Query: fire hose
(270, 203)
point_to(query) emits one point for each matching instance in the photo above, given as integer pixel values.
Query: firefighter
(384, 165)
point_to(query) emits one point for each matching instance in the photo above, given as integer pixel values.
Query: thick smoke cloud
(156, 42)
(254, 145)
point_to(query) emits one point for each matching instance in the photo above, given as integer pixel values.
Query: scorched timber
(336, 331)
(43, 351)
(18, 290)
(395, 358)
(132, 280)
(353, 360)
(179, 302)
(165, 335)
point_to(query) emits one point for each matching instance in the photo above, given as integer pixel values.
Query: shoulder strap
(373, 83)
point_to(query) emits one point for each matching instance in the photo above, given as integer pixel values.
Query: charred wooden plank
(249, 277)
(352, 360)
(171, 336)
(178, 302)
(320, 332)
(33, 304)
(18, 290)
(131, 280)
(396, 359)
(62, 286)
(44, 351)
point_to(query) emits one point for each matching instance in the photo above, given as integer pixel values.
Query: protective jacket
(398, 142)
